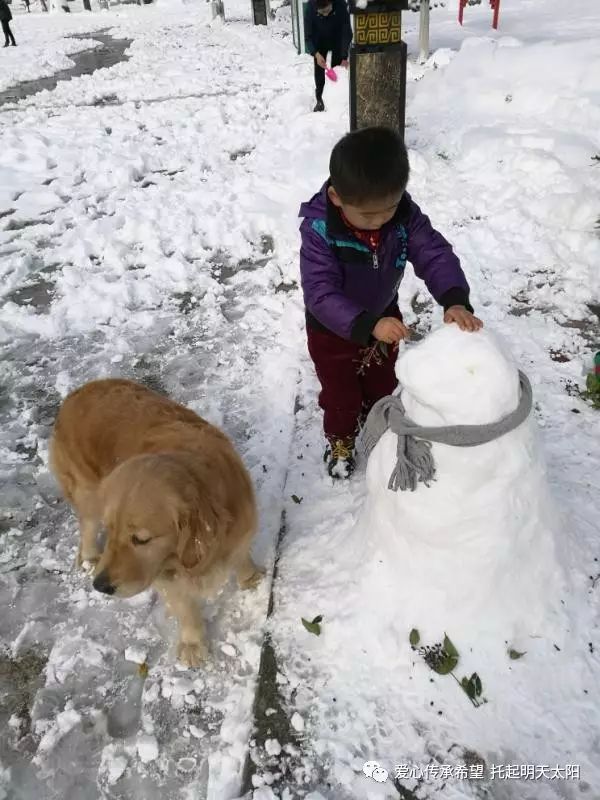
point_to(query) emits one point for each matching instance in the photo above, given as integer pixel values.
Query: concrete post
(378, 66)
(260, 11)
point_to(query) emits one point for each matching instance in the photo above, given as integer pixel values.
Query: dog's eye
(137, 541)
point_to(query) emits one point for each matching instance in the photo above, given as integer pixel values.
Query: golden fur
(173, 495)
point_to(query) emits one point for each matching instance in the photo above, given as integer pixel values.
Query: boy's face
(370, 215)
(325, 11)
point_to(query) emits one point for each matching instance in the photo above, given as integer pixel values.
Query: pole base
(378, 87)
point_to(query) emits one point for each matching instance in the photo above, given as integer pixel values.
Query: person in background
(5, 18)
(327, 29)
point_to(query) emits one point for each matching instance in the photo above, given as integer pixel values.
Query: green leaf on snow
(414, 637)
(472, 686)
(515, 654)
(314, 626)
(449, 647)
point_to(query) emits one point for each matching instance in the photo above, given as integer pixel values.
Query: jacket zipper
(375, 260)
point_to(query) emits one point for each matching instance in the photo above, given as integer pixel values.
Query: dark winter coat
(331, 33)
(348, 287)
(5, 12)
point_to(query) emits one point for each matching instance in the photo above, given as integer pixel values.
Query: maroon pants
(346, 394)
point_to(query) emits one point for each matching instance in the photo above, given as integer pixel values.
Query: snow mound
(474, 554)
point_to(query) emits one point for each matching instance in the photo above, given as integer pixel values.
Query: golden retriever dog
(175, 500)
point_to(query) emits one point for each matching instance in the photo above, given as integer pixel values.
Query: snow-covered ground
(148, 229)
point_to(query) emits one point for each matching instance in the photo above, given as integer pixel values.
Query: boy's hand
(390, 330)
(320, 60)
(463, 318)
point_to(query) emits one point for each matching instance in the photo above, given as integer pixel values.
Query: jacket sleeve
(309, 35)
(435, 262)
(322, 281)
(346, 29)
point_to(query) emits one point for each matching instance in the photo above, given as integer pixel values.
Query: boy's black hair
(369, 164)
(324, 3)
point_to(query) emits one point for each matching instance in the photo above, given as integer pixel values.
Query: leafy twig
(371, 355)
(443, 659)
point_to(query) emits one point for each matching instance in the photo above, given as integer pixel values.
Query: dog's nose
(102, 584)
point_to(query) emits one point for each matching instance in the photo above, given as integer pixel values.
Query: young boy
(327, 29)
(357, 235)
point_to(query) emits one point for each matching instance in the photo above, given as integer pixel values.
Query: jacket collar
(337, 227)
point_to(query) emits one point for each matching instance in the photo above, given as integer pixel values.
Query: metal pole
(302, 46)
(218, 9)
(424, 31)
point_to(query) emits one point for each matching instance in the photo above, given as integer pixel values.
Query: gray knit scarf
(414, 459)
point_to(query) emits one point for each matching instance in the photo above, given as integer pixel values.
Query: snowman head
(458, 378)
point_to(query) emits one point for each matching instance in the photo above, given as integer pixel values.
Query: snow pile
(147, 747)
(504, 115)
(474, 553)
(136, 654)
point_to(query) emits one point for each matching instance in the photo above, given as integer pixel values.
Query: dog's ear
(200, 525)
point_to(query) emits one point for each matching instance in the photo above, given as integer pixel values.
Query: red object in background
(494, 5)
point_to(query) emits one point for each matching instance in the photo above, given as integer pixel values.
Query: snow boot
(320, 105)
(339, 457)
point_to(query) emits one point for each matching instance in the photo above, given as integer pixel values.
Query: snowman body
(475, 553)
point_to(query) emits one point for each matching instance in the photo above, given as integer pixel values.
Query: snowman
(462, 539)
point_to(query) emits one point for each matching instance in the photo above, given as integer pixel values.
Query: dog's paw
(251, 581)
(87, 561)
(192, 654)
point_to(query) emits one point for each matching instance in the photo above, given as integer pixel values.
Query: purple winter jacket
(348, 287)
